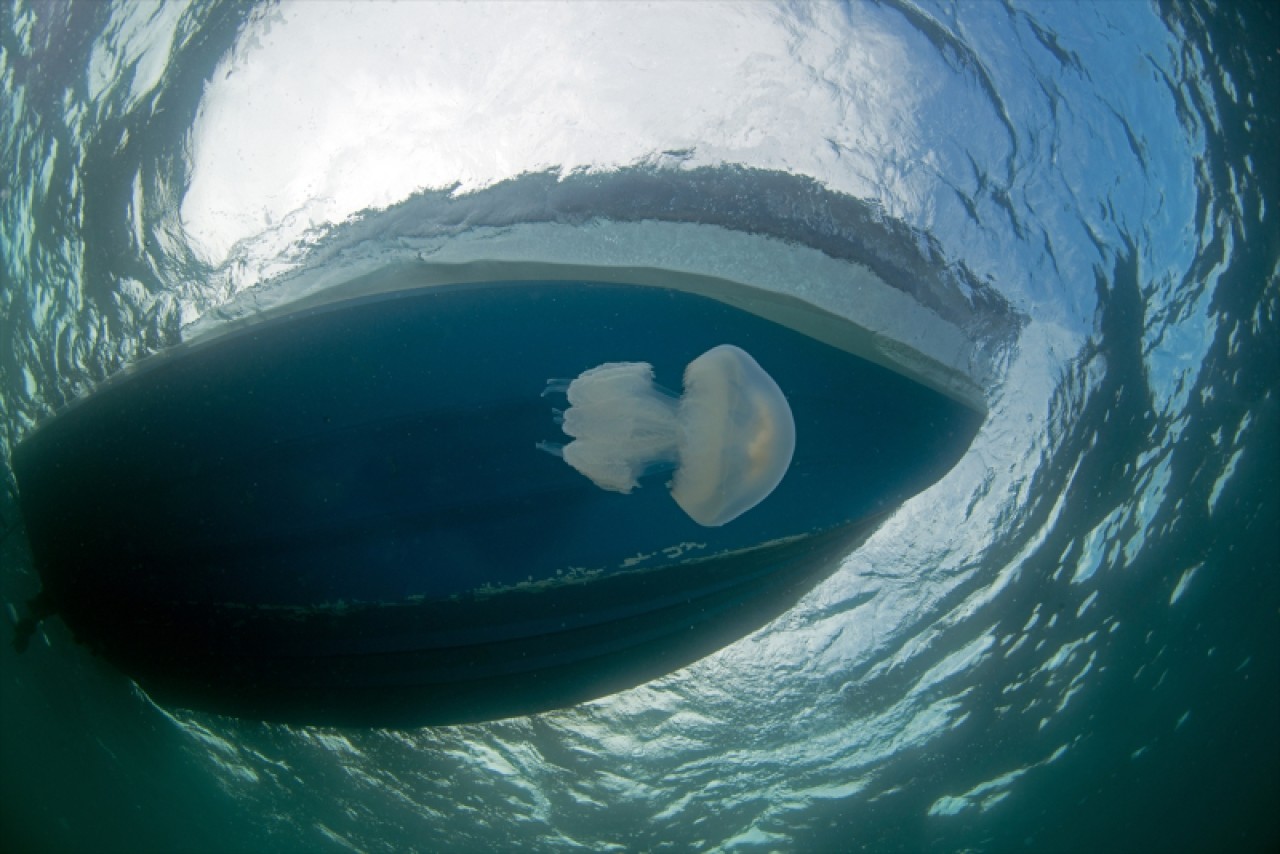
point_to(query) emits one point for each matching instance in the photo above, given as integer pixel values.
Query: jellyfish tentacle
(552, 448)
(557, 386)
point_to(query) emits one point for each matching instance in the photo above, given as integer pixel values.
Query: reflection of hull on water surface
(340, 515)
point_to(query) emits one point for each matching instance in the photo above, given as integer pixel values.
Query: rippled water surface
(1071, 642)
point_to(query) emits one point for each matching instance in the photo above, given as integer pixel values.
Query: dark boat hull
(340, 516)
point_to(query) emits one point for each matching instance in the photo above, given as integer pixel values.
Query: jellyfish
(729, 438)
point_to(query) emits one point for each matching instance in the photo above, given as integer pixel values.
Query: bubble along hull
(340, 516)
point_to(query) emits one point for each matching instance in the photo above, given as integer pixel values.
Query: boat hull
(341, 516)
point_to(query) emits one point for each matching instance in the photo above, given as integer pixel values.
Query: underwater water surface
(1070, 642)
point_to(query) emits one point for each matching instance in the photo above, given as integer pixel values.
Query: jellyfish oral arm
(623, 425)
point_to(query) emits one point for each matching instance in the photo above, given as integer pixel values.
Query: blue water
(1070, 643)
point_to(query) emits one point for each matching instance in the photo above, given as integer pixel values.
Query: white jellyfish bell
(730, 437)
